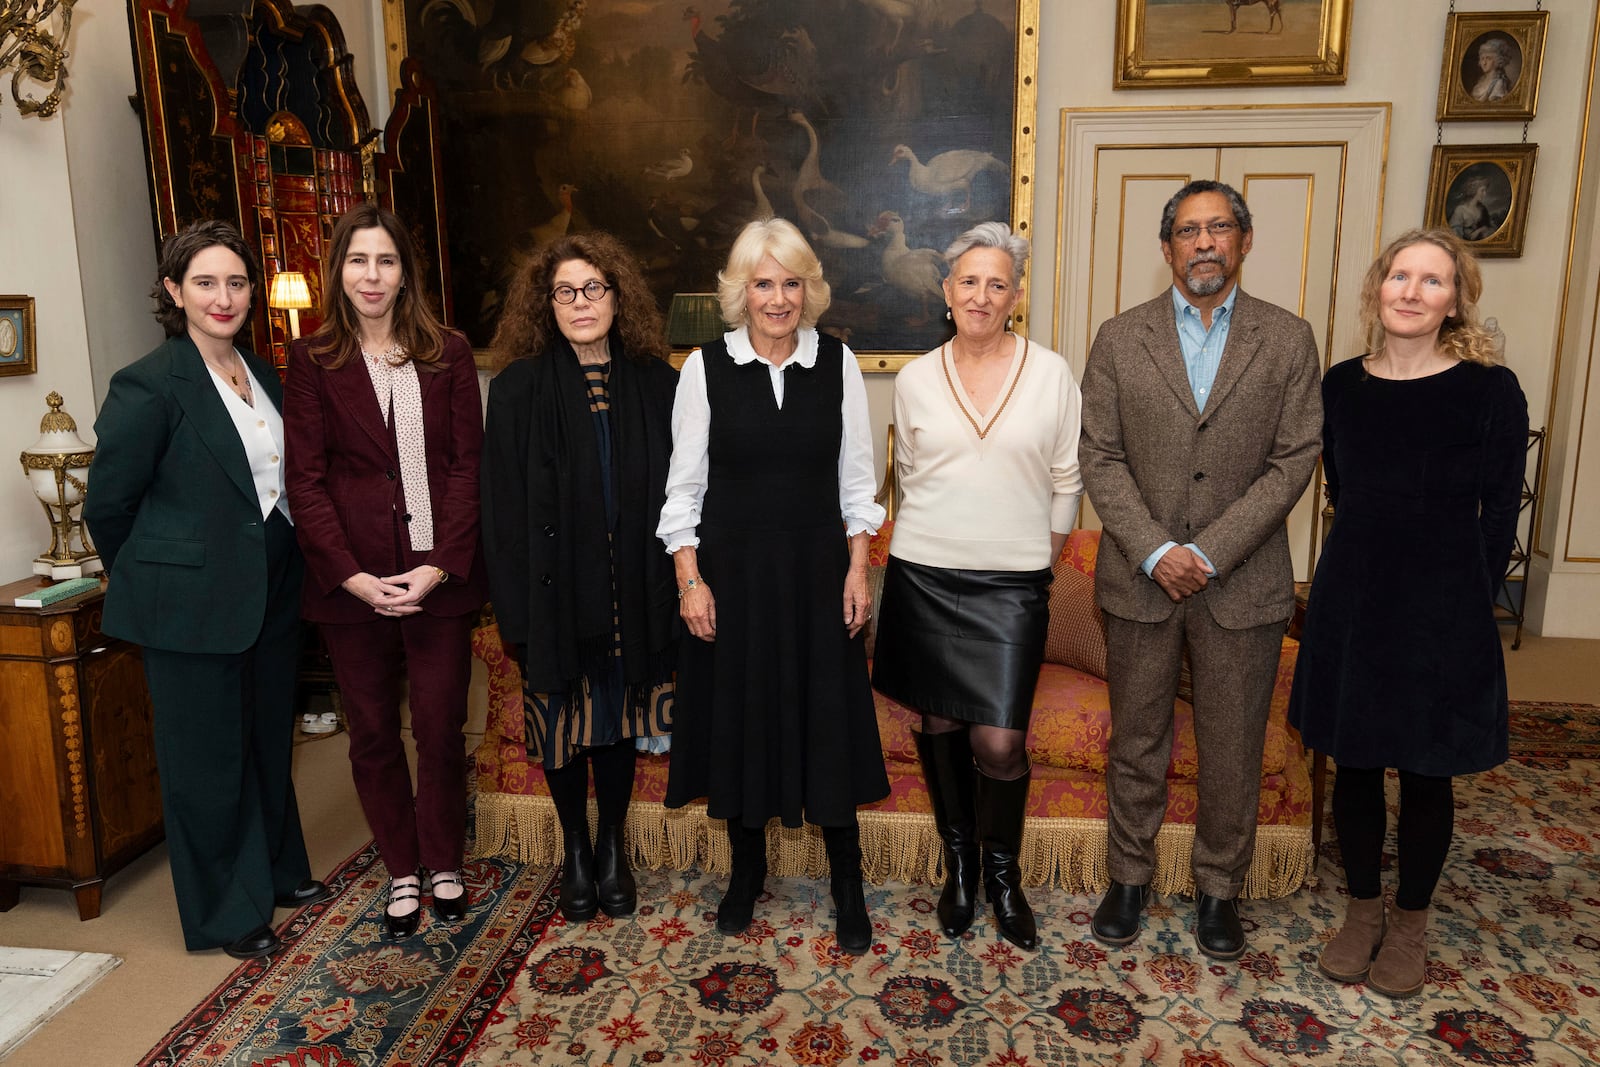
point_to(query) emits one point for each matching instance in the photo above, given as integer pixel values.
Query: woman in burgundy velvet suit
(383, 421)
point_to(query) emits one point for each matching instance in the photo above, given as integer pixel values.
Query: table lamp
(290, 293)
(57, 466)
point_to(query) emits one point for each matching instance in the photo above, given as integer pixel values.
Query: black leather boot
(852, 927)
(1001, 809)
(578, 899)
(947, 768)
(619, 895)
(748, 880)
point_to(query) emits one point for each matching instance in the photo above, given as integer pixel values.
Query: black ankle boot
(578, 899)
(852, 927)
(619, 895)
(1001, 808)
(947, 768)
(748, 880)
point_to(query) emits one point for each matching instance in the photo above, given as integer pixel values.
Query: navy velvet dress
(1400, 662)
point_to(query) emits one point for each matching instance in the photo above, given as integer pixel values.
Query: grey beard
(1212, 283)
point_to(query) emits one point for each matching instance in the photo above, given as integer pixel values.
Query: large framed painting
(1192, 44)
(882, 130)
(1481, 191)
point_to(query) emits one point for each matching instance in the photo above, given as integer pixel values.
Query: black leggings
(613, 786)
(1427, 822)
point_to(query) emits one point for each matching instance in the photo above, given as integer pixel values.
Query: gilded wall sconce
(33, 45)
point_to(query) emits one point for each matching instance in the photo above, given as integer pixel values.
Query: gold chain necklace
(982, 431)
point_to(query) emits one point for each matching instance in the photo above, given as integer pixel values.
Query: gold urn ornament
(57, 467)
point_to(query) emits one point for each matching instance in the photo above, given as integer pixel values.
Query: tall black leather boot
(748, 880)
(852, 927)
(948, 770)
(1001, 808)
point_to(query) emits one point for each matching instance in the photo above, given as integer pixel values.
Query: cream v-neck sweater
(986, 504)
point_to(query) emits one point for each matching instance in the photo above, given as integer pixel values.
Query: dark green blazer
(173, 512)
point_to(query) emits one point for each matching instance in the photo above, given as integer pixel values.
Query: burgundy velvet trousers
(426, 827)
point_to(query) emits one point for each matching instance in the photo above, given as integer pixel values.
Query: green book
(52, 594)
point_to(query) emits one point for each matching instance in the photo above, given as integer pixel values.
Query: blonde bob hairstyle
(1461, 334)
(780, 239)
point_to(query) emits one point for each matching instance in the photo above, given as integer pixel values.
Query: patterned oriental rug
(1514, 976)
(1547, 728)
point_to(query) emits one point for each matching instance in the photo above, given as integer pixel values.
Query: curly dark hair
(417, 328)
(179, 250)
(527, 325)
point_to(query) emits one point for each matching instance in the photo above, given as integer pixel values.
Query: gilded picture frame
(1482, 191)
(18, 343)
(1203, 44)
(1492, 62)
(669, 126)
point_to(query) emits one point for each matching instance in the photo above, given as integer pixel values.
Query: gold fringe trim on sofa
(1067, 853)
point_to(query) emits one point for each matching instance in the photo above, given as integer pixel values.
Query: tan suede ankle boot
(1403, 960)
(1349, 955)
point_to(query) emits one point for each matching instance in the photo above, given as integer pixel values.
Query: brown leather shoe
(1348, 957)
(1402, 962)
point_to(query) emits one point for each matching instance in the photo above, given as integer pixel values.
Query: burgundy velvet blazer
(343, 478)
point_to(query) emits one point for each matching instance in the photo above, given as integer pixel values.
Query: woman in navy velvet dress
(1424, 442)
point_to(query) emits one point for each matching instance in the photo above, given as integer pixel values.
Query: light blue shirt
(1202, 355)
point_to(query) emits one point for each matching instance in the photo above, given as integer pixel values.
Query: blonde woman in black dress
(1424, 442)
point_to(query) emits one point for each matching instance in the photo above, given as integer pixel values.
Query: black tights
(999, 752)
(1427, 822)
(613, 785)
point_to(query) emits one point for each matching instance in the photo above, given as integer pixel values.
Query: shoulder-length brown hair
(527, 325)
(417, 328)
(179, 250)
(1461, 334)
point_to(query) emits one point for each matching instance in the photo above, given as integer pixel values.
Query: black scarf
(640, 450)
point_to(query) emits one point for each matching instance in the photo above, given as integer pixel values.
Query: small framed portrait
(1481, 192)
(16, 336)
(1491, 66)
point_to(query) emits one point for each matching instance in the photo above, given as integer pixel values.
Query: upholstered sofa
(1064, 843)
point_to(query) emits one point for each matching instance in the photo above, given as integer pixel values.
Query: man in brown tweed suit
(1202, 420)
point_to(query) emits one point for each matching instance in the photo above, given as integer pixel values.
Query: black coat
(539, 448)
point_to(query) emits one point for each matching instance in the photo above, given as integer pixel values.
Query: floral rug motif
(1514, 976)
(1553, 728)
(343, 995)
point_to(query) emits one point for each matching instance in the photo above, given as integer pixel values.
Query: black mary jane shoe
(1116, 920)
(450, 909)
(252, 946)
(309, 891)
(403, 926)
(1217, 929)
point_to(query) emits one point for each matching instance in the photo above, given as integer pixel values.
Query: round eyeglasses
(592, 290)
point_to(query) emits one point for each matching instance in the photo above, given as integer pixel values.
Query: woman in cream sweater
(987, 435)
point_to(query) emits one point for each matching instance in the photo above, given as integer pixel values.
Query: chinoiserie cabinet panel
(78, 783)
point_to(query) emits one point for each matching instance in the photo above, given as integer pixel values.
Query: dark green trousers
(224, 739)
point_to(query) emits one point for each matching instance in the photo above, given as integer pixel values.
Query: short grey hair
(1241, 214)
(1498, 45)
(991, 235)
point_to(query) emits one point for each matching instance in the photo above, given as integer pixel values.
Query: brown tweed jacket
(1158, 470)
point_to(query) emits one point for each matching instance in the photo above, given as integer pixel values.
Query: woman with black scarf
(575, 456)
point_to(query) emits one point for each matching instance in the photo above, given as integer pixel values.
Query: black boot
(1001, 809)
(618, 893)
(748, 880)
(569, 791)
(947, 768)
(578, 897)
(852, 928)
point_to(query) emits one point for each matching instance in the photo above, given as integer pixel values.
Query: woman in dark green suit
(186, 506)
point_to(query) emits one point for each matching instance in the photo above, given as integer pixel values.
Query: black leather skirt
(962, 644)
